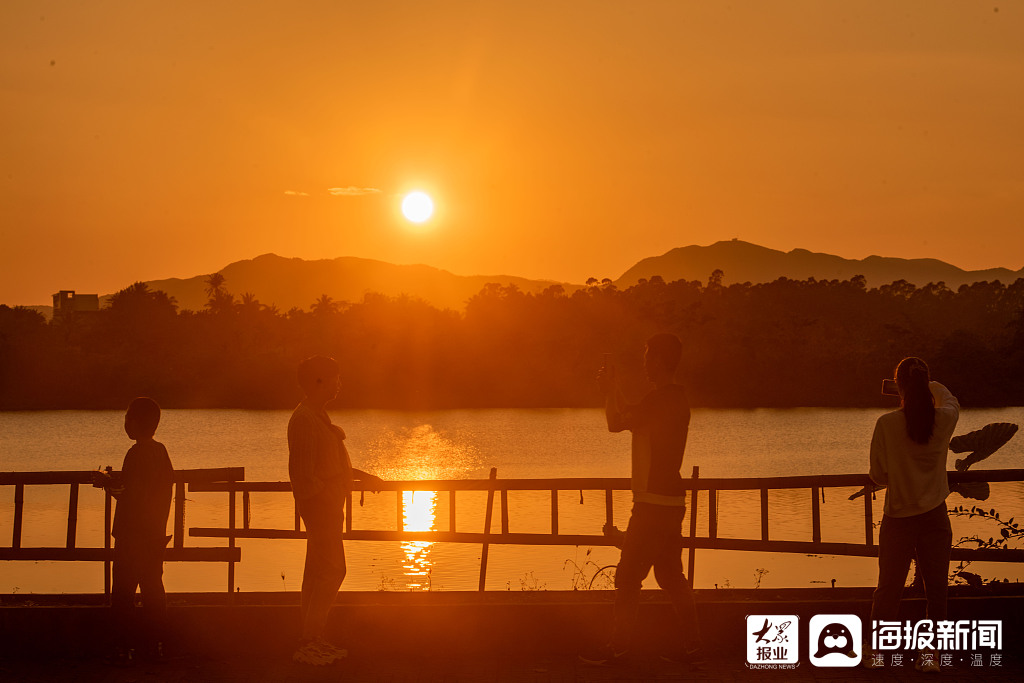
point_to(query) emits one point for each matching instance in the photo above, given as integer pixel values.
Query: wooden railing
(815, 485)
(230, 481)
(177, 552)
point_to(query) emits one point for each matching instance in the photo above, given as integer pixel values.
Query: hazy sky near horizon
(145, 140)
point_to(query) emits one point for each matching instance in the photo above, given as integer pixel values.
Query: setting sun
(417, 207)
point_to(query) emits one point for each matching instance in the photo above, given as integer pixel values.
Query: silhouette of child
(143, 492)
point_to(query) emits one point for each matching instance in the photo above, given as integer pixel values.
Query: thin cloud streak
(352, 191)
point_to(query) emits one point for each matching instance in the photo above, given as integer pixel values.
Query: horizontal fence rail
(72, 552)
(814, 484)
(231, 481)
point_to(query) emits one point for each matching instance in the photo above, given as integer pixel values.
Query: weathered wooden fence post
(487, 527)
(693, 524)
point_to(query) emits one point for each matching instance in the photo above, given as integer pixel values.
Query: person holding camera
(653, 539)
(908, 455)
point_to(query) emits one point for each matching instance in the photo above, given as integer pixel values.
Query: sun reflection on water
(420, 514)
(416, 454)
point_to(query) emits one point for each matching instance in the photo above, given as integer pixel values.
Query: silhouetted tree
(324, 306)
(214, 285)
(781, 343)
(138, 303)
(220, 301)
(715, 279)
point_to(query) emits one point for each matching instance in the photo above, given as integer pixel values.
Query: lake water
(465, 444)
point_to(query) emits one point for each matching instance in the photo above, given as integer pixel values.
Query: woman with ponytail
(908, 455)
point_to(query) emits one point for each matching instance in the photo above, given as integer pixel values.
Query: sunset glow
(517, 312)
(860, 129)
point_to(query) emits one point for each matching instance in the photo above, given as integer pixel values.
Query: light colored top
(914, 473)
(317, 458)
(660, 424)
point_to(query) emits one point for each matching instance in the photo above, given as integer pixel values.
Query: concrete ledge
(467, 623)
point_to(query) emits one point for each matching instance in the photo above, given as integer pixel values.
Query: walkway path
(487, 669)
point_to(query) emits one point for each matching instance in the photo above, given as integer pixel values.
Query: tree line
(778, 344)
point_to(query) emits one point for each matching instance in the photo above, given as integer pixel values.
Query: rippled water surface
(465, 445)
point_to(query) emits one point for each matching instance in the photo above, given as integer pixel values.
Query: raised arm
(944, 398)
(616, 410)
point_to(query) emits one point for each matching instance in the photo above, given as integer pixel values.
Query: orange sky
(559, 140)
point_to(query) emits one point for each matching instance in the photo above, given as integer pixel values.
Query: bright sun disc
(417, 207)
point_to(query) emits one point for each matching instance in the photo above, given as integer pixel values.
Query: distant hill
(295, 282)
(745, 262)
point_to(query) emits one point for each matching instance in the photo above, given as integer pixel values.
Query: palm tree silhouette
(221, 300)
(214, 285)
(324, 305)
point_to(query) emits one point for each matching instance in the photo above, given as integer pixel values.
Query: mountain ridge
(292, 282)
(745, 262)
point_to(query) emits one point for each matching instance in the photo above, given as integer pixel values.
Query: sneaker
(603, 656)
(927, 661)
(338, 653)
(310, 654)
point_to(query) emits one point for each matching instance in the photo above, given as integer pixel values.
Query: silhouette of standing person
(322, 475)
(143, 492)
(908, 455)
(659, 425)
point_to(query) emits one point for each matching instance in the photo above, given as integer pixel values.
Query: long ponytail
(918, 405)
